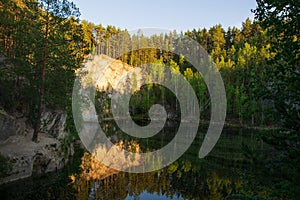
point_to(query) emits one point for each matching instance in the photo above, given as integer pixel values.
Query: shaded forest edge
(42, 43)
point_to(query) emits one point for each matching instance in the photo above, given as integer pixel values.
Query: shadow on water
(222, 174)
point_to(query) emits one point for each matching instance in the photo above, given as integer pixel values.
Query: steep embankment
(21, 157)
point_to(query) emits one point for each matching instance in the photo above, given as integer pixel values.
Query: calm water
(222, 174)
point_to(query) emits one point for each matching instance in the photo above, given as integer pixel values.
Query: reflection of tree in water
(218, 187)
(182, 178)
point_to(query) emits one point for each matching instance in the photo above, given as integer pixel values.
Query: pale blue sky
(166, 14)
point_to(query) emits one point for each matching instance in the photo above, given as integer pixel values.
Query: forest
(43, 43)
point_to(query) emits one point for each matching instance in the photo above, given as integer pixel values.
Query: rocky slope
(24, 158)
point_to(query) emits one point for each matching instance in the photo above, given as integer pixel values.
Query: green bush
(5, 166)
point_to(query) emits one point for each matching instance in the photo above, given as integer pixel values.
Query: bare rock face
(11, 125)
(27, 158)
(106, 74)
(7, 125)
(54, 123)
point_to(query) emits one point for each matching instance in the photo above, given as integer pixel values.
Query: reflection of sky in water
(147, 196)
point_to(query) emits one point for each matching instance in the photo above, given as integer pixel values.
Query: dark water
(223, 174)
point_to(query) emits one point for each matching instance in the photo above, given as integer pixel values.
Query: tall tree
(218, 42)
(89, 39)
(247, 30)
(282, 19)
(53, 16)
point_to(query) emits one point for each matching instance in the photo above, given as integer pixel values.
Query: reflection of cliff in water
(215, 177)
(223, 174)
(180, 180)
(93, 169)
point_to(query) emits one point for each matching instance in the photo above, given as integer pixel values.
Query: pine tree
(53, 15)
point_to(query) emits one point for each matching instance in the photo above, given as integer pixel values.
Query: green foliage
(41, 59)
(282, 83)
(5, 166)
(241, 55)
(259, 64)
(283, 18)
(73, 134)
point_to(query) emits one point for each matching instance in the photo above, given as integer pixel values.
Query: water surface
(222, 174)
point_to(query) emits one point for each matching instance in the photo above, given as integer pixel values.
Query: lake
(226, 173)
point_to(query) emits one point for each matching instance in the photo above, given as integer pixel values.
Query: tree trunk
(42, 85)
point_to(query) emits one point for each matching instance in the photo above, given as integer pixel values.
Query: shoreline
(227, 123)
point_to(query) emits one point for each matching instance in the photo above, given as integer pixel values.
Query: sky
(180, 15)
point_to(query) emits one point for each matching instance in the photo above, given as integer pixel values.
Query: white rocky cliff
(106, 73)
